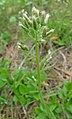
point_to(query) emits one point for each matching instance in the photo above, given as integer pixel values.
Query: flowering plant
(36, 27)
(36, 22)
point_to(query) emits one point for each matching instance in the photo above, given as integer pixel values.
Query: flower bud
(42, 40)
(23, 47)
(20, 24)
(50, 54)
(27, 19)
(43, 13)
(22, 11)
(24, 27)
(52, 30)
(35, 11)
(46, 18)
(19, 45)
(42, 17)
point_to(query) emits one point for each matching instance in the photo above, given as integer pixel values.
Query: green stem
(38, 70)
(46, 109)
(37, 62)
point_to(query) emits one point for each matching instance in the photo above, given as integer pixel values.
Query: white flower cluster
(34, 20)
(38, 20)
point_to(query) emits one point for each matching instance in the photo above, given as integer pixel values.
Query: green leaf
(21, 99)
(61, 96)
(15, 99)
(4, 73)
(2, 100)
(69, 86)
(53, 106)
(29, 100)
(36, 96)
(43, 76)
(50, 114)
(41, 116)
(2, 83)
(68, 107)
(27, 89)
(64, 91)
(38, 110)
(5, 36)
(19, 74)
(31, 89)
(23, 89)
(58, 110)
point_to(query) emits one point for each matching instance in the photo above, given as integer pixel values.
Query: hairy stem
(37, 63)
(46, 109)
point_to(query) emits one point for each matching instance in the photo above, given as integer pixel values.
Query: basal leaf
(2, 83)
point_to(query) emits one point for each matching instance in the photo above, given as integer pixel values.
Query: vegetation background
(19, 97)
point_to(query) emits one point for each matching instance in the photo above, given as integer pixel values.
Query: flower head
(46, 18)
(38, 20)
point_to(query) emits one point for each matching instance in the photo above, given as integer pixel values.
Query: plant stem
(38, 70)
(46, 109)
(37, 62)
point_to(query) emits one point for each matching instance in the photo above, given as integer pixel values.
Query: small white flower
(43, 13)
(46, 18)
(25, 17)
(50, 54)
(19, 12)
(22, 11)
(20, 24)
(58, 0)
(35, 11)
(52, 30)
(25, 12)
(43, 16)
(33, 78)
(42, 40)
(19, 45)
